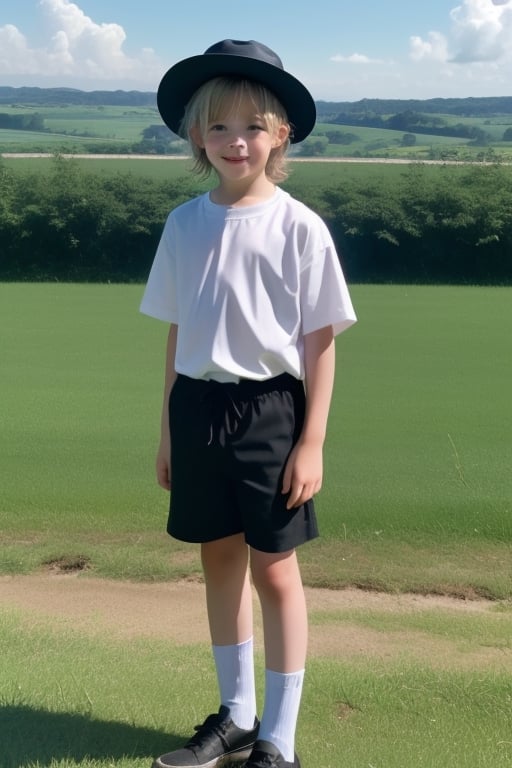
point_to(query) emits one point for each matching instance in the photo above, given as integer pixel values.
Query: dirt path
(177, 611)
(295, 159)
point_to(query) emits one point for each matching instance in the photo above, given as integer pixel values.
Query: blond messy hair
(219, 97)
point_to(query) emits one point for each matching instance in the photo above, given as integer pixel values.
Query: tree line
(451, 226)
(24, 122)
(414, 122)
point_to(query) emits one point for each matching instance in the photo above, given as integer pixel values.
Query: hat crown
(249, 48)
(242, 59)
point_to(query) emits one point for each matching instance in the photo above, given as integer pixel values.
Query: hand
(163, 466)
(303, 473)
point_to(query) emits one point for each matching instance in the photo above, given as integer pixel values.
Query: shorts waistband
(243, 387)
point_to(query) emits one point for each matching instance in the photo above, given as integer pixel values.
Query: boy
(251, 284)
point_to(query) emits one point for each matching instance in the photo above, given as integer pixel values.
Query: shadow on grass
(36, 736)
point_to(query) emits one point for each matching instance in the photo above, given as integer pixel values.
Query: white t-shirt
(244, 284)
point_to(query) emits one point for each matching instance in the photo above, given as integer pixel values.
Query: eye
(216, 127)
(257, 127)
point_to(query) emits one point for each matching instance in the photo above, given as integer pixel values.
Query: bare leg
(229, 601)
(228, 590)
(279, 585)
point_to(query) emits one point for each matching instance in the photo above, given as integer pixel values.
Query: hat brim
(182, 80)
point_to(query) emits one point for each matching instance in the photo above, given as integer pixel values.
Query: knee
(275, 577)
(224, 556)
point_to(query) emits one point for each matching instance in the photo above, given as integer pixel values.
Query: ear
(195, 135)
(280, 136)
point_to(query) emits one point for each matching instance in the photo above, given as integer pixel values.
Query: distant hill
(56, 96)
(468, 107)
(486, 106)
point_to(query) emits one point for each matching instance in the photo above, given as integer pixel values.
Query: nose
(236, 140)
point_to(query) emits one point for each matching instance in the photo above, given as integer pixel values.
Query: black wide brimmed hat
(246, 59)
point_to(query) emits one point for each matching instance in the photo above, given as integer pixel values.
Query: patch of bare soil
(177, 611)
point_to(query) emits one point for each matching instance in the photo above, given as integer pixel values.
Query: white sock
(235, 675)
(283, 692)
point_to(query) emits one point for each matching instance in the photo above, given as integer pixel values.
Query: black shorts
(229, 446)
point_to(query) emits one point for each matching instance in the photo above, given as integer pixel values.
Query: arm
(163, 468)
(303, 472)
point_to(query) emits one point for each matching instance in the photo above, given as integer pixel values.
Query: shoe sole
(219, 762)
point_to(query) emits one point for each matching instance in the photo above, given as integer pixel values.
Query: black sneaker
(266, 755)
(217, 741)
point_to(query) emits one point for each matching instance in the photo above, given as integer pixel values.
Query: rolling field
(99, 121)
(68, 127)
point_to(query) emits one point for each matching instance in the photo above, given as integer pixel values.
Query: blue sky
(341, 50)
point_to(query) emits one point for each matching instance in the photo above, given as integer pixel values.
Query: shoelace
(211, 727)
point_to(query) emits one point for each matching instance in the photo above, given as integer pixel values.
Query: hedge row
(453, 225)
(80, 226)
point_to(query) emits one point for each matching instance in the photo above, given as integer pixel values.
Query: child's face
(239, 144)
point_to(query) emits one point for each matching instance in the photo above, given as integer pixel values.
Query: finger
(304, 493)
(296, 494)
(163, 478)
(287, 480)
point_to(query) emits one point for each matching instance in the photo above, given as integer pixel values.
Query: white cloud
(481, 31)
(78, 47)
(15, 55)
(354, 58)
(435, 48)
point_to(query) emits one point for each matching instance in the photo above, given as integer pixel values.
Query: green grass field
(418, 485)
(417, 497)
(319, 175)
(100, 121)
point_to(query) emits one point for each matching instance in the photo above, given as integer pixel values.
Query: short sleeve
(324, 296)
(160, 295)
